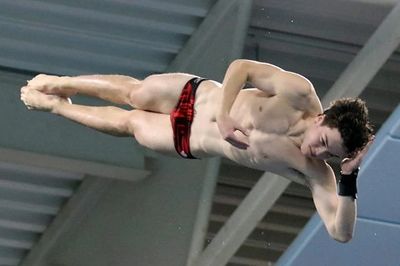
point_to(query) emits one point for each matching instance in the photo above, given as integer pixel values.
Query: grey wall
(146, 223)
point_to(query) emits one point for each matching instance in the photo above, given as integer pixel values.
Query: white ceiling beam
(369, 60)
(63, 35)
(28, 207)
(36, 189)
(95, 15)
(49, 163)
(15, 47)
(18, 244)
(21, 226)
(188, 9)
(243, 220)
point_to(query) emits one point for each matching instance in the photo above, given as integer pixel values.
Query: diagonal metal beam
(226, 23)
(204, 210)
(369, 60)
(219, 39)
(200, 39)
(243, 220)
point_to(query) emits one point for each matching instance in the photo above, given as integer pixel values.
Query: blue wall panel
(395, 132)
(379, 183)
(375, 244)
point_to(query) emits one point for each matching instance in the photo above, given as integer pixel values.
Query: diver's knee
(140, 97)
(134, 122)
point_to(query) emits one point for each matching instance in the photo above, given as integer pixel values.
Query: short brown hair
(350, 117)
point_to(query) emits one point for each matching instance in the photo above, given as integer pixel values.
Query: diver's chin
(304, 150)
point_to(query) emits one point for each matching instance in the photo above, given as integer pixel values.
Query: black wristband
(347, 185)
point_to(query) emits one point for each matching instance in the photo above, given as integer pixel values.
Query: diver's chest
(275, 119)
(271, 147)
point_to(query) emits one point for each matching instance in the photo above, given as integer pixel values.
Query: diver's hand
(348, 165)
(233, 132)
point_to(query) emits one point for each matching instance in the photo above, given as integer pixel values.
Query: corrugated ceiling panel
(72, 37)
(30, 198)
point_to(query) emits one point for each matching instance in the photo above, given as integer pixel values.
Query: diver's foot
(50, 84)
(36, 100)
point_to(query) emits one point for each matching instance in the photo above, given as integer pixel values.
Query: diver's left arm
(337, 205)
(338, 212)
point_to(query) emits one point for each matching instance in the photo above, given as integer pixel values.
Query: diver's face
(322, 142)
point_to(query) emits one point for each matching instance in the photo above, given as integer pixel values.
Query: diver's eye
(324, 142)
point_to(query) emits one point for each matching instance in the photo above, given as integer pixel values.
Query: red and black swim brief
(182, 118)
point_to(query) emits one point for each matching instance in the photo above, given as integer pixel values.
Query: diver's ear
(319, 119)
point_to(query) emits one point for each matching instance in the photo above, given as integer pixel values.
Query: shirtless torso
(275, 123)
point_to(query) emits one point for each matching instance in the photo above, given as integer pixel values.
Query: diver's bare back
(275, 125)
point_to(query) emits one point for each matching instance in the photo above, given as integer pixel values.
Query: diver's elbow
(343, 238)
